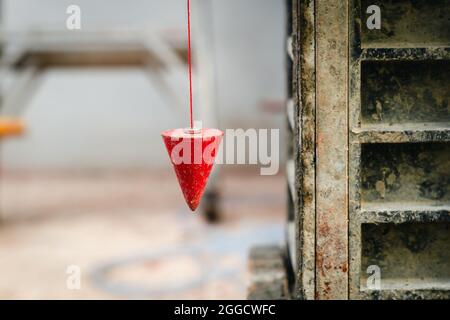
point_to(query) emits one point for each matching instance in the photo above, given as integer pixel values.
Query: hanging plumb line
(191, 123)
(192, 150)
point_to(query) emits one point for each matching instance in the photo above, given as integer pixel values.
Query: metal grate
(399, 151)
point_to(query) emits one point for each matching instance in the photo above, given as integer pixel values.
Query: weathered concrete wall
(411, 173)
(410, 255)
(415, 23)
(399, 150)
(405, 91)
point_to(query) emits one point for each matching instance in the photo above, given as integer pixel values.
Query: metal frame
(317, 108)
(29, 55)
(301, 151)
(325, 140)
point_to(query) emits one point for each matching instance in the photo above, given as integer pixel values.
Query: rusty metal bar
(332, 150)
(305, 110)
(355, 52)
(291, 228)
(401, 134)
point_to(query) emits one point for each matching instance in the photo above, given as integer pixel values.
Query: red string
(190, 63)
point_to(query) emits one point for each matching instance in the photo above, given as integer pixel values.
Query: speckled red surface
(192, 156)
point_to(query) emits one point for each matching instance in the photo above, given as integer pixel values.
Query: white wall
(112, 118)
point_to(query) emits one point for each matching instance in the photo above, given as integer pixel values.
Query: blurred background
(88, 181)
